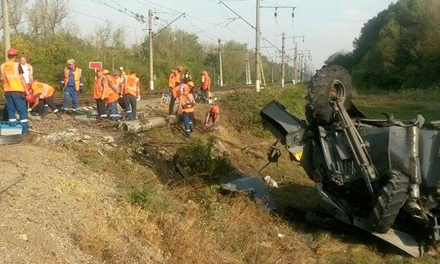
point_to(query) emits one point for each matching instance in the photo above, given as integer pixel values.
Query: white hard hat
(121, 68)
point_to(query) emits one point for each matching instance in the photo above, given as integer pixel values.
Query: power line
(87, 15)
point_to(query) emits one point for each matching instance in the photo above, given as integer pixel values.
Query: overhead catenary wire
(102, 19)
(192, 20)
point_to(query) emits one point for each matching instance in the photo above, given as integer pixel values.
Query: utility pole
(295, 63)
(248, 67)
(6, 37)
(220, 60)
(272, 72)
(150, 36)
(282, 60)
(257, 48)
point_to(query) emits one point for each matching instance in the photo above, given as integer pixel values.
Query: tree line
(39, 30)
(398, 48)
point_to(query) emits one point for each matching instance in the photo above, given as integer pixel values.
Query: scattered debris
(252, 185)
(23, 237)
(109, 139)
(271, 182)
(319, 251)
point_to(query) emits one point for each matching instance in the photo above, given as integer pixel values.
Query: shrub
(199, 159)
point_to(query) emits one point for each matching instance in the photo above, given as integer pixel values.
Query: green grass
(244, 106)
(404, 104)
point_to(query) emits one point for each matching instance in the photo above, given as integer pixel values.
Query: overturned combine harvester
(379, 175)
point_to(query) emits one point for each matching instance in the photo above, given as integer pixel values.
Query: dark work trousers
(121, 102)
(70, 95)
(15, 102)
(113, 109)
(171, 107)
(49, 102)
(187, 123)
(130, 106)
(102, 111)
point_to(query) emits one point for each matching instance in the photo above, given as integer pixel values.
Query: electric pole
(150, 36)
(257, 48)
(220, 60)
(282, 61)
(295, 63)
(6, 37)
(248, 68)
(272, 72)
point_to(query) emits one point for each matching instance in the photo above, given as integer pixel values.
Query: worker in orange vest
(206, 85)
(187, 104)
(101, 93)
(213, 115)
(14, 87)
(179, 74)
(113, 95)
(43, 94)
(132, 94)
(192, 89)
(72, 83)
(176, 92)
(171, 84)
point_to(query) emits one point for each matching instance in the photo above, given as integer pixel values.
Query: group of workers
(182, 88)
(109, 90)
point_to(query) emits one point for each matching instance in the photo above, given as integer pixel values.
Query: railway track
(87, 99)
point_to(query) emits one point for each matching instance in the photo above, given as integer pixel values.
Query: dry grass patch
(212, 228)
(122, 235)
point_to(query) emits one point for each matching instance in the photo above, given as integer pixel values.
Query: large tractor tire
(329, 83)
(389, 202)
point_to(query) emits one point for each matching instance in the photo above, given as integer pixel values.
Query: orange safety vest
(12, 81)
(44, 90)
(172, 80)
(132, 85)
(187, 103)
(112, 96)
(206, 83)
(100, 88)
(118, 83)
(177, 77)
(76, 76)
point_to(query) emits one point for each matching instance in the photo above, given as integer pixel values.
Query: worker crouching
(213, 115)
(187, 104)
(43, 94)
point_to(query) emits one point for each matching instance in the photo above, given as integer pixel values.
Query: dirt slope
(44, 214)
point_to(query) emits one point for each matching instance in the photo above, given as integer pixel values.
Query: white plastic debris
(271, 182)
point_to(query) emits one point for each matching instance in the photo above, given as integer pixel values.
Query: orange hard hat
(30, 98)
(12, 51)
(180, 68)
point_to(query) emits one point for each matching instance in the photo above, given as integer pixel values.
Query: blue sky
(329, 26)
